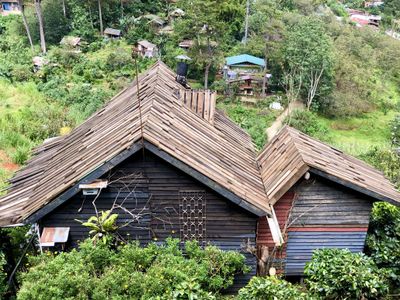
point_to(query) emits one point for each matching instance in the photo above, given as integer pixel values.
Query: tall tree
(64, 9)
(308, 49)
(26, 25)
(100, 17)
(203, 24)
(38, 9)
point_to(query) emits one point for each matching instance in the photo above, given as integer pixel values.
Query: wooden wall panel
(301, 245)
(321, 203)
(324, 214)
(157, 187)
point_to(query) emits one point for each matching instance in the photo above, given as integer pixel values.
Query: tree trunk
(100, 17)
(38, 9)
(64, 8)
(90, 14)
(206, 72)
(28, 32)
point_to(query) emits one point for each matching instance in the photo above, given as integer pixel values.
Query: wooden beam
(354, 187)
(72, 191)
(205, 180)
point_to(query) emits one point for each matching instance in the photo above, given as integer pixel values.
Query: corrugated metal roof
(52, 235)
(112, 31)
(245, 59)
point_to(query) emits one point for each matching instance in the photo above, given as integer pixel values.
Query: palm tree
(39, 14)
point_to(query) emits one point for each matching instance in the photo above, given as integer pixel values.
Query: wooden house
(147, 49)
(9, 7)
(170, 164)
(72, 43)
(245, 70)
(112, 33)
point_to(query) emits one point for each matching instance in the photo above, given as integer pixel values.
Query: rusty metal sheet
(52, 235)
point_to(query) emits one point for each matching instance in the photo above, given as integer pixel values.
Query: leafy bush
(395, 131)
(386, 160)
(3, 276)
(340, 274)
(119, 59)
(131, 272)
(271, 288)
(383, 241)
(255, 120)
(307, 122)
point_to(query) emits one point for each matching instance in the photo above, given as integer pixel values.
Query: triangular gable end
(120, 158)
(291, 153)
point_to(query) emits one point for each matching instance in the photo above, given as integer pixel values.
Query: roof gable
(245, 58)
(221, 151)
(292, 153)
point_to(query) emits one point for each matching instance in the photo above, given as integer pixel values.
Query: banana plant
(102, 226)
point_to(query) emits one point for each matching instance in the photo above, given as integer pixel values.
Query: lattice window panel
(192, 216)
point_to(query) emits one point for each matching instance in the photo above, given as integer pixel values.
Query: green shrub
(395, 131)
(386, 160)
(341, 274)
(118, 60)
(3, 276)
(383, 241)
(307, 122)
(21, 155)
(131, 272)
(260, 288)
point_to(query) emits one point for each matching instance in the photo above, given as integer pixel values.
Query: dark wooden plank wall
(157, 185)
(323, 203)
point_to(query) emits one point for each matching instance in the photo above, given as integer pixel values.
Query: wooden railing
(202, 102)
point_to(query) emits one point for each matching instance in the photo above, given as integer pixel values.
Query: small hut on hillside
(71, 42)
(171, 165)
(8, 7)
(246, 71)
(112, 33)
(147, 49)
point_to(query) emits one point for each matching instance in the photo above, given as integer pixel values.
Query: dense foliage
(307, 122)
(383, 241)
(340, 274)
(3, 276)
(271, 288)
(132, 272)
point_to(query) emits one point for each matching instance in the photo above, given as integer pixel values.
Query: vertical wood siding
(302, 244)
(324, 214)
(157, 189)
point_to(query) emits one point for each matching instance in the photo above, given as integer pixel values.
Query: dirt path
(274, 128)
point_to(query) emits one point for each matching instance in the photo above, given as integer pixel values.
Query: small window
(192, 216)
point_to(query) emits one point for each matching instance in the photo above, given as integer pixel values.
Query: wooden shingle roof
(216, 150)
(221, 151)
(291, 153)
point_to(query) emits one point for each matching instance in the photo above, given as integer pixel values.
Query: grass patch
(255, 119)
(358, 135)
(15, 96)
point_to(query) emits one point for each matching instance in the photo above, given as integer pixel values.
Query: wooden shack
(8, 7)
(167, 162)
(147, 49)
(172, 165)
(112, 33)
(322, 199)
